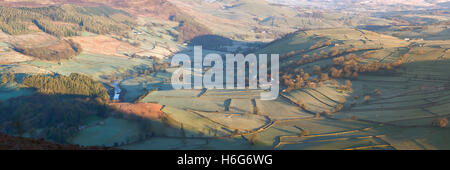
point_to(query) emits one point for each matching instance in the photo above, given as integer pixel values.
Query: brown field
(146, 110)
(33, 40)
(59, 50)
(104, 45)
(13, 57)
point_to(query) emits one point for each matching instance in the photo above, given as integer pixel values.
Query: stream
(116, 90)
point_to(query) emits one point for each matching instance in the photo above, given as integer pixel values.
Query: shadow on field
(60, 118)
(223, 44)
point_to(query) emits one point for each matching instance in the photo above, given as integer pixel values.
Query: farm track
(294, 103)
(325, 95)
(393, 124)
(428, 117)
(303, 52)
(224, 95)
(309, 93)
(378, 137)
(390, 54)
(435, 103)
(269, 124)
(281, 142)
(265, 127)
(437, 78)
(189, 97)
(369, 147)
(408, 93)
(332, 134)
(333, 140)
(293, 119)
(403, 101)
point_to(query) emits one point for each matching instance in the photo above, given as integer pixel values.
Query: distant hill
(263, 21)
(362, 3)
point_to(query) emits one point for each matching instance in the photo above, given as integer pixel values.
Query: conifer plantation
(65, 20)
(74, 84)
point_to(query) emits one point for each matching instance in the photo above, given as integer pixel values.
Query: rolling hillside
(97, 73)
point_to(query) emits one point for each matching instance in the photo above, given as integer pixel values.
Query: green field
(94, 65)
(112, 131)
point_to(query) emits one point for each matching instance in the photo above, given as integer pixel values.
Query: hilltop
(261, 20)
(392, 5)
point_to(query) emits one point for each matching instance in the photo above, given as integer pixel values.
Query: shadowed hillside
(8, 142)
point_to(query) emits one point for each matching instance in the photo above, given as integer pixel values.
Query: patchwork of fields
(400, 111)
(400, 105)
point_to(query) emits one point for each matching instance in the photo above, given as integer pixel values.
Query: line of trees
(351, 66)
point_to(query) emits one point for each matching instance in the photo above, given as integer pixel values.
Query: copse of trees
(74, 84)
